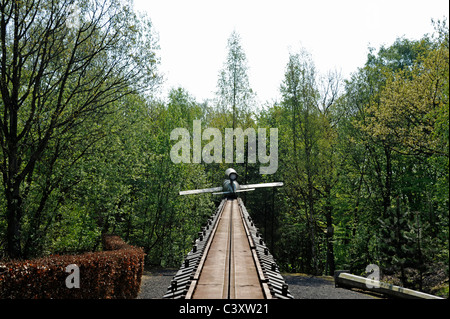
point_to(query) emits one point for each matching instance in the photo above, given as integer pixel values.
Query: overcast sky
(193, 36)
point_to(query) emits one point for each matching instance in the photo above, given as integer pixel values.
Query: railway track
(229, 260)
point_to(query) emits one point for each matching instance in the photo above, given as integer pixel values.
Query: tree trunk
(12, 181)
(14, 215)
(388, 181)
(330, 232)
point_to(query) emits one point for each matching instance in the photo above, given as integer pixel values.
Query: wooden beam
(347, 280)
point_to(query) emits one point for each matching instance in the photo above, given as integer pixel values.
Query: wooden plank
(228, 269)
(211, 278)
(194, 282)
(246, 278)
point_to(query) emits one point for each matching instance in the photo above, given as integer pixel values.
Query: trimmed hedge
(113, 273)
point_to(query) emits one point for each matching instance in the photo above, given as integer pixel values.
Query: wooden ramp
(229, 261)
(229, 271)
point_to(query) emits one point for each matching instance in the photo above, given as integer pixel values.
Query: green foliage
(366, 174)
(85, 149)
(398, 159)
(234, 94)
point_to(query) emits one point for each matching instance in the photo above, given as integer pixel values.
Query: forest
(85, 148)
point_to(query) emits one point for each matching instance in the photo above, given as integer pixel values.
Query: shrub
(113, 273)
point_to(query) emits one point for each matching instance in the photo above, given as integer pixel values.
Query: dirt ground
(155, 282)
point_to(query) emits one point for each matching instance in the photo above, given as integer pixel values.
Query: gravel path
(154, 285)
(304, 286)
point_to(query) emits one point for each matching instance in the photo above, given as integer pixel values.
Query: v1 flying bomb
(230, 186)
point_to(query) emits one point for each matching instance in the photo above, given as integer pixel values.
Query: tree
(56, 75)
(233, 86)
(409, 116)
(413, 104)
(394, 160)
(300, 96)
(234, 97)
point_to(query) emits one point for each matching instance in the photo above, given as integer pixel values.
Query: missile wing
(236, 191)
(201, 191)
(230, 186)
(253, 186)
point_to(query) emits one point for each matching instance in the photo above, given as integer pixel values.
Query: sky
(193, 36)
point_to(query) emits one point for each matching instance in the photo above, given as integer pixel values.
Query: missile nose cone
(231, 174)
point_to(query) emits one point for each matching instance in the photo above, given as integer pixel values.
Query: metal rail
(229, 261)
